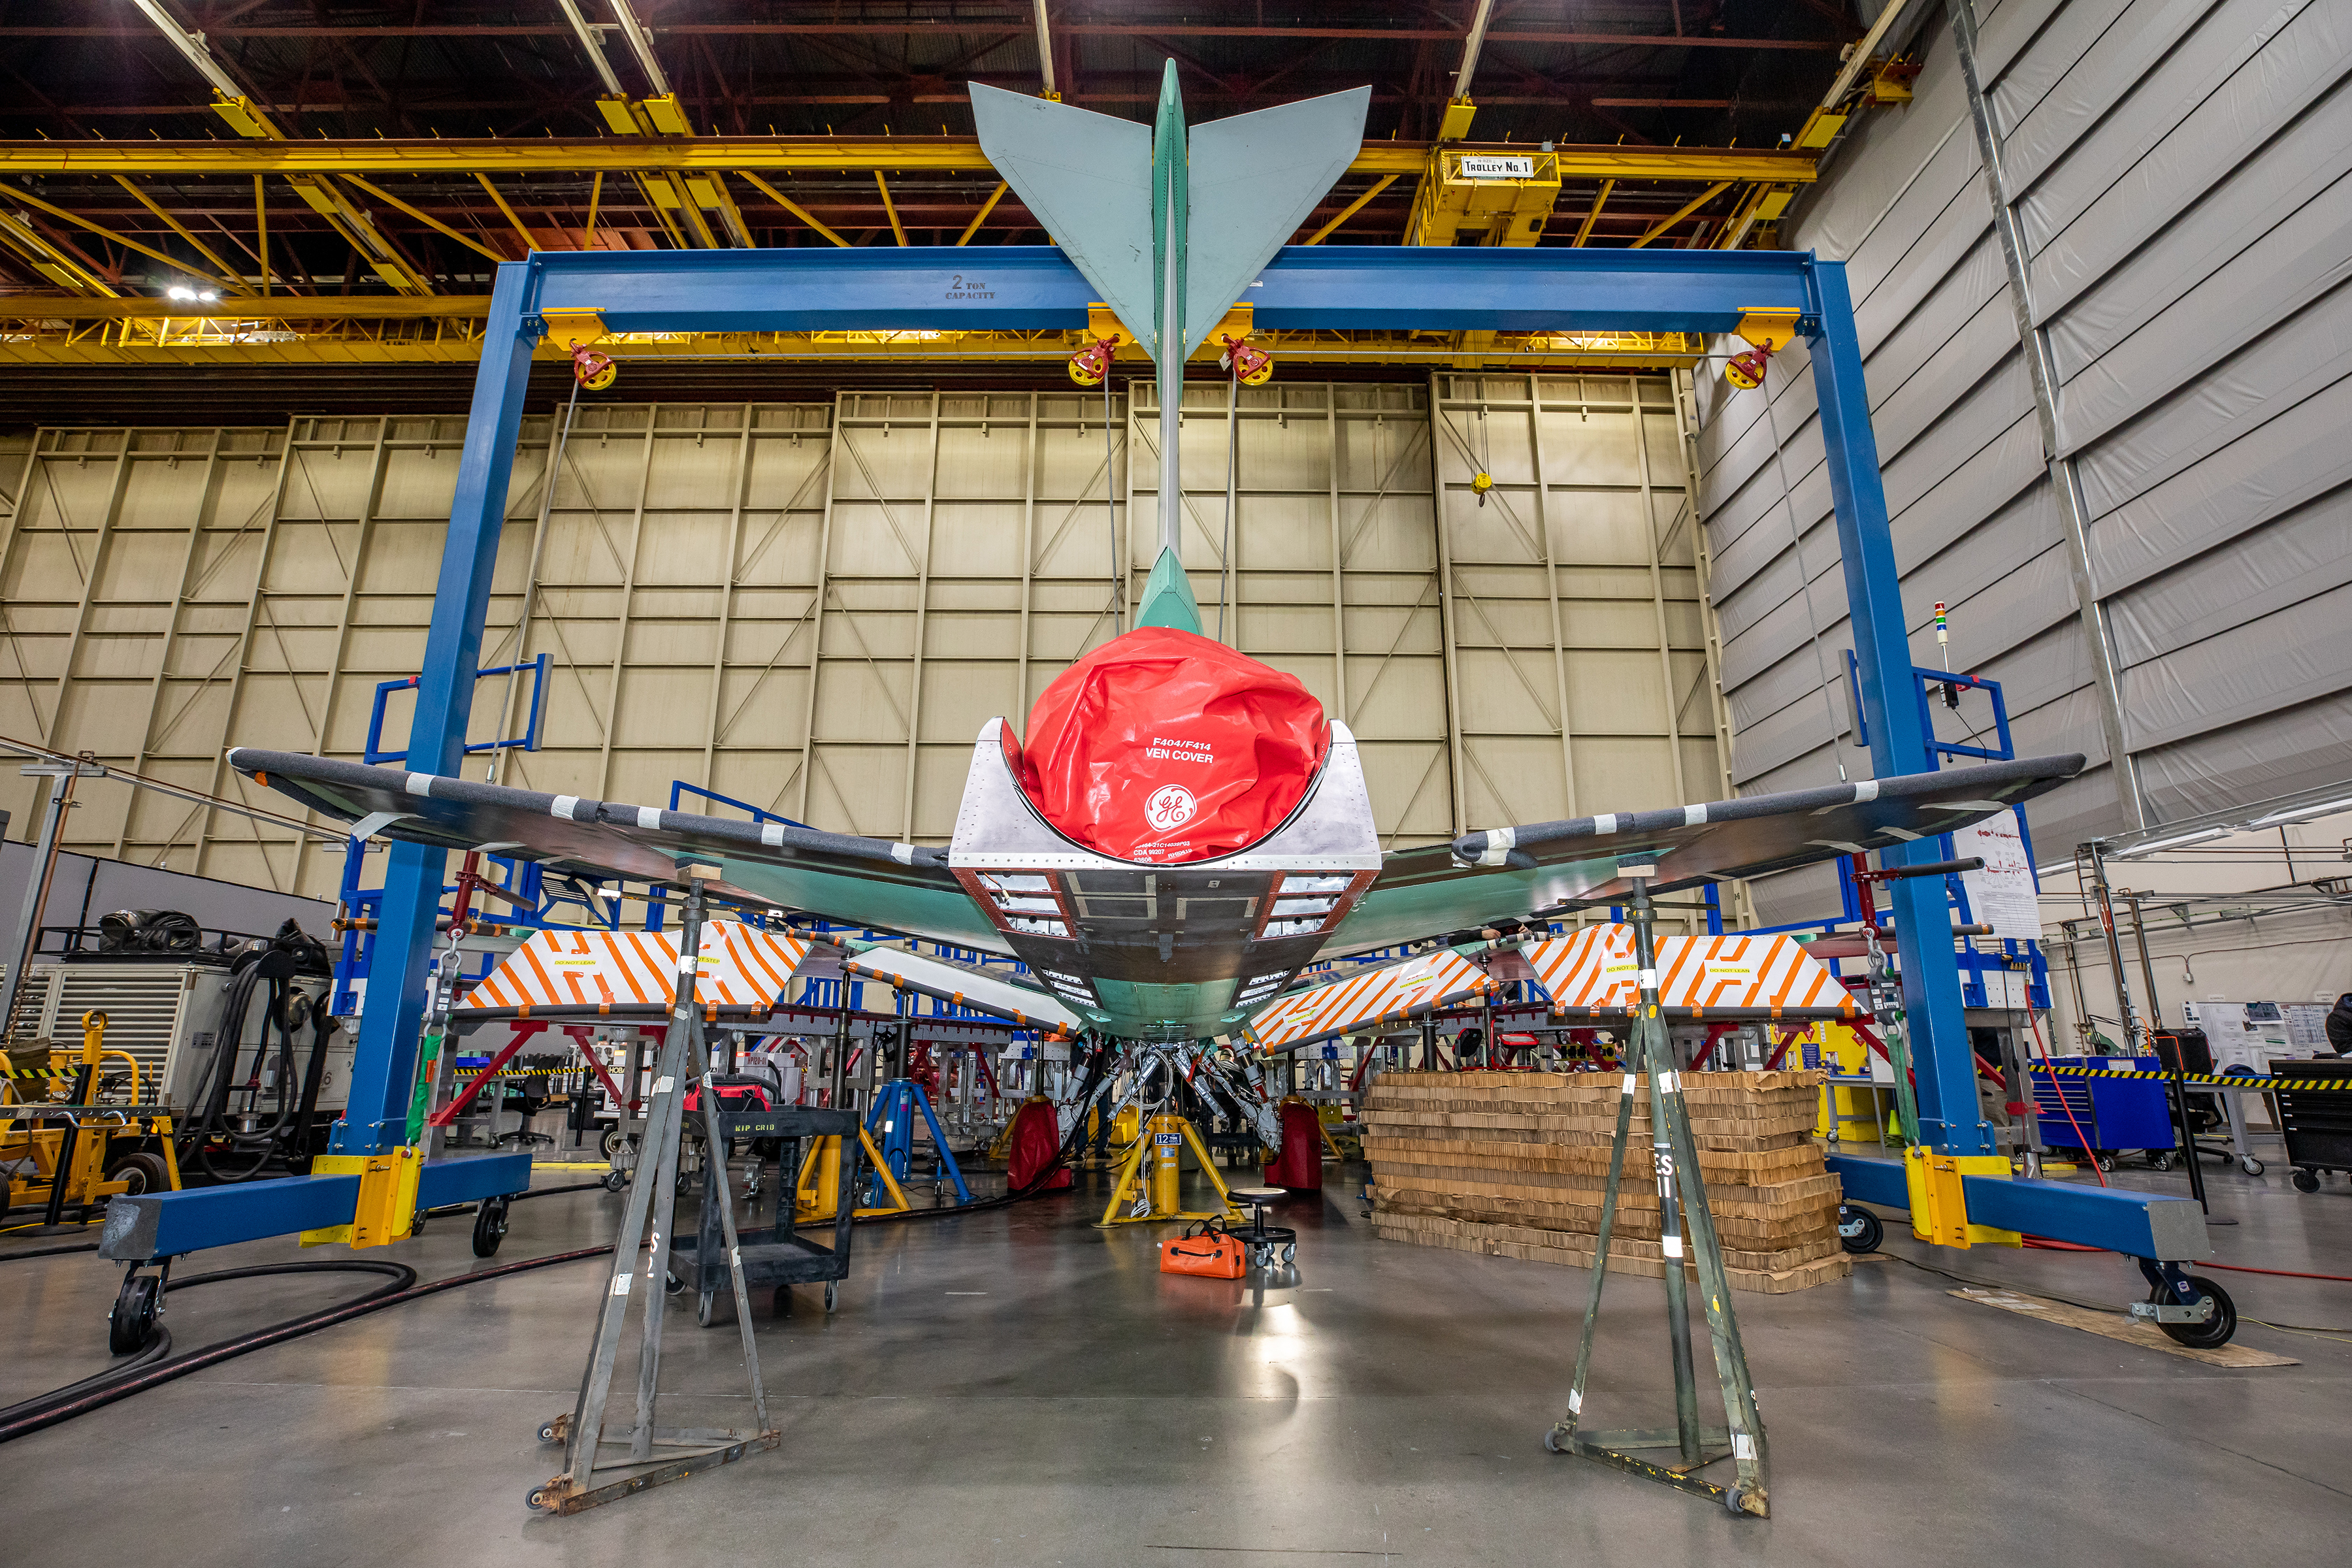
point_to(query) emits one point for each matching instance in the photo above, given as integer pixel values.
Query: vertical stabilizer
(1168, 598)
(1170, 227)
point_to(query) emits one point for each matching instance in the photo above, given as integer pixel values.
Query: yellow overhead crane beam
(697, 198)
(447, 329)
(789, 154)
(322, 196)
(319, 191)
(29, 245)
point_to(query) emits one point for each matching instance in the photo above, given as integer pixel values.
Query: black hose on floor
(151, 1369)
(121, 1382)
(518, 1197)
(49, 1251)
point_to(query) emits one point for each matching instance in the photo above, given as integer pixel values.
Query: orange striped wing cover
(1396, 991)
(1595, 970)
(1748, 973)
(604, 972)
(1589, 968)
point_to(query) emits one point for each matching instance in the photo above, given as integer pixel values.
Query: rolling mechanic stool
(1262, 1239)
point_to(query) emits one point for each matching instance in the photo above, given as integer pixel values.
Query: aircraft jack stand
(895, 1111)
(1148, 1188)
(816, 1191)
(1689, 1444)
(655, 1455)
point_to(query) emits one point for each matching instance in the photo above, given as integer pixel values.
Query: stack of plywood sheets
(1513, 1164)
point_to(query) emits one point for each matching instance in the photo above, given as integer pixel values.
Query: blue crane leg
(1942, 1066)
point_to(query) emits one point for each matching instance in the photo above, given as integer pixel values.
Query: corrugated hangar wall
(170, 593)
(2178, 176)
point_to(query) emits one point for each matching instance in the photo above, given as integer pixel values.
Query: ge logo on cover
(1170, 805)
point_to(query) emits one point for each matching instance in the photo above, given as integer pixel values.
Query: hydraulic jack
(1149, 1183)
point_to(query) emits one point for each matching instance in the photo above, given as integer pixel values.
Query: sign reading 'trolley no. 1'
(1482, 167)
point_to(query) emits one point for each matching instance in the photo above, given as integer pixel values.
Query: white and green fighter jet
(1172, 230)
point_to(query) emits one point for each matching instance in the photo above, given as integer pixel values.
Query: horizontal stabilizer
(1254, 179)
(1087, 178)
(960, 985)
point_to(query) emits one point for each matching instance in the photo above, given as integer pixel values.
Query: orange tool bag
(1205, 1249)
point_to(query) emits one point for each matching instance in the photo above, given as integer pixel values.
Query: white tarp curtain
(2183, 173)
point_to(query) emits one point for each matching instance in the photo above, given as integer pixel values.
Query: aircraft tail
(1251, 181)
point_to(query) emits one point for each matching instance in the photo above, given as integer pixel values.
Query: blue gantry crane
(1460, 288)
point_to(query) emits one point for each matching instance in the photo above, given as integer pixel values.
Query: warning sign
(2002, 895)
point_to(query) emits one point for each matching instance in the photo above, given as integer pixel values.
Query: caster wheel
(135, 1309)
(615, 1141)
(617, 1181)
(2159, 1162)
(2251, 1165)
(1553, 1443)
(145, 1172)
(2216, 1330)
(489, 1226)
(539, 1500)
(673, 1284)
(1859, 1230)
(705, 1308)
(2106, 1162)
(832, 1294)
(2306, 1180)
(1289, 1253)
(548, 1433)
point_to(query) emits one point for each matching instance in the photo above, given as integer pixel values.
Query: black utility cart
(778, 1256)
(2315, 1110)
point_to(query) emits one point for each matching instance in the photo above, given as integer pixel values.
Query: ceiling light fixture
(2175, 841)
(2304, 812)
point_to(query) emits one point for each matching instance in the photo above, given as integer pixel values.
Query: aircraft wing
(1512, 872)
(861, 881)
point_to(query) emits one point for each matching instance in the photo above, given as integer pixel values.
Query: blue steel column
(383, 1070)
(1943, 1063)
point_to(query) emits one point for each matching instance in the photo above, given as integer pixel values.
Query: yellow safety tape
(2232, 1080)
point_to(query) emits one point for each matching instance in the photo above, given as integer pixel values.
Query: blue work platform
(1461, 289)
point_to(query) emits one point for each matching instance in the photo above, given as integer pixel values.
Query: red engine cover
(1161, 746)
(1036, 1139)
(1300, 1165)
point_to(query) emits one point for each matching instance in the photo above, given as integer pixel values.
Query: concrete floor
(1016, 1388)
